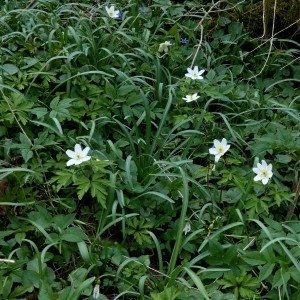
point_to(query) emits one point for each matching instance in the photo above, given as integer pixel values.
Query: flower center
(264, 173)
(220, 149)
(78, 155)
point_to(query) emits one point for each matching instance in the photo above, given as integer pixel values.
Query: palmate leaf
(63, 178)
(84, 185)
(99, 188)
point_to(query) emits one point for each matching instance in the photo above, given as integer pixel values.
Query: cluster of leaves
(151, 215)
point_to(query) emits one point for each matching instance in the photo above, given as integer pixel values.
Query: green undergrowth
(151, 213)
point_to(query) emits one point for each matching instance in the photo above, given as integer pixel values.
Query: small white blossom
(194, 73)
(163, 47)
(112, 12)
(96, 291)
(263, 171)
(220, 149)
(78, 155)
(190, 98)
(187, 228)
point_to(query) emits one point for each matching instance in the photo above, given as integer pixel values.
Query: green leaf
(215, 248)
(284, 159)
(65, 293)
(197, 281)
(110, 90)
(99, 188)
(21, 290)
(73, 235)
(63, 221)
(58, 125)
(254, 258)
(266, 271)
(45, 291)
(83, 184)
(19, 237)
(63, 178)
(6, 287)
(60, 108)
(280, 278)
(26, 154)
(39, 111)
(9, 69)
(3, 130)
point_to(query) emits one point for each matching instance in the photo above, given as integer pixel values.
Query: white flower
(112, 12)
(220, 149)
(187, 228)
(190, 98)
(263, 171)
(164, 46)
(96, 291)
(78, 155)
(195, 73)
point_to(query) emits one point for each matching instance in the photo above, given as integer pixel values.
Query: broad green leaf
(73, 235)
(266, 271)
(21, 290)
(254, 258)
(45, 291)
(63, 221)
(9, 69)
(281, 277)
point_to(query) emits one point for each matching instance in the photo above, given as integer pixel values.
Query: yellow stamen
(78, 155)
(220, 149)
(263, 173)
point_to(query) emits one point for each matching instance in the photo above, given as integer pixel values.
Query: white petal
(213, 151)
(201, 72)
(265, 180)
(257, 177)
(86, 158)
(77, 148)
(217, 143)
(226, 148)
(85, 151)
(264, 164)
(255, 170)
(71, 162)
(224, 142)
(217, 157)
(259, 166)
(70, 153)
(77, 161)
(195, 96)
(196, 69)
